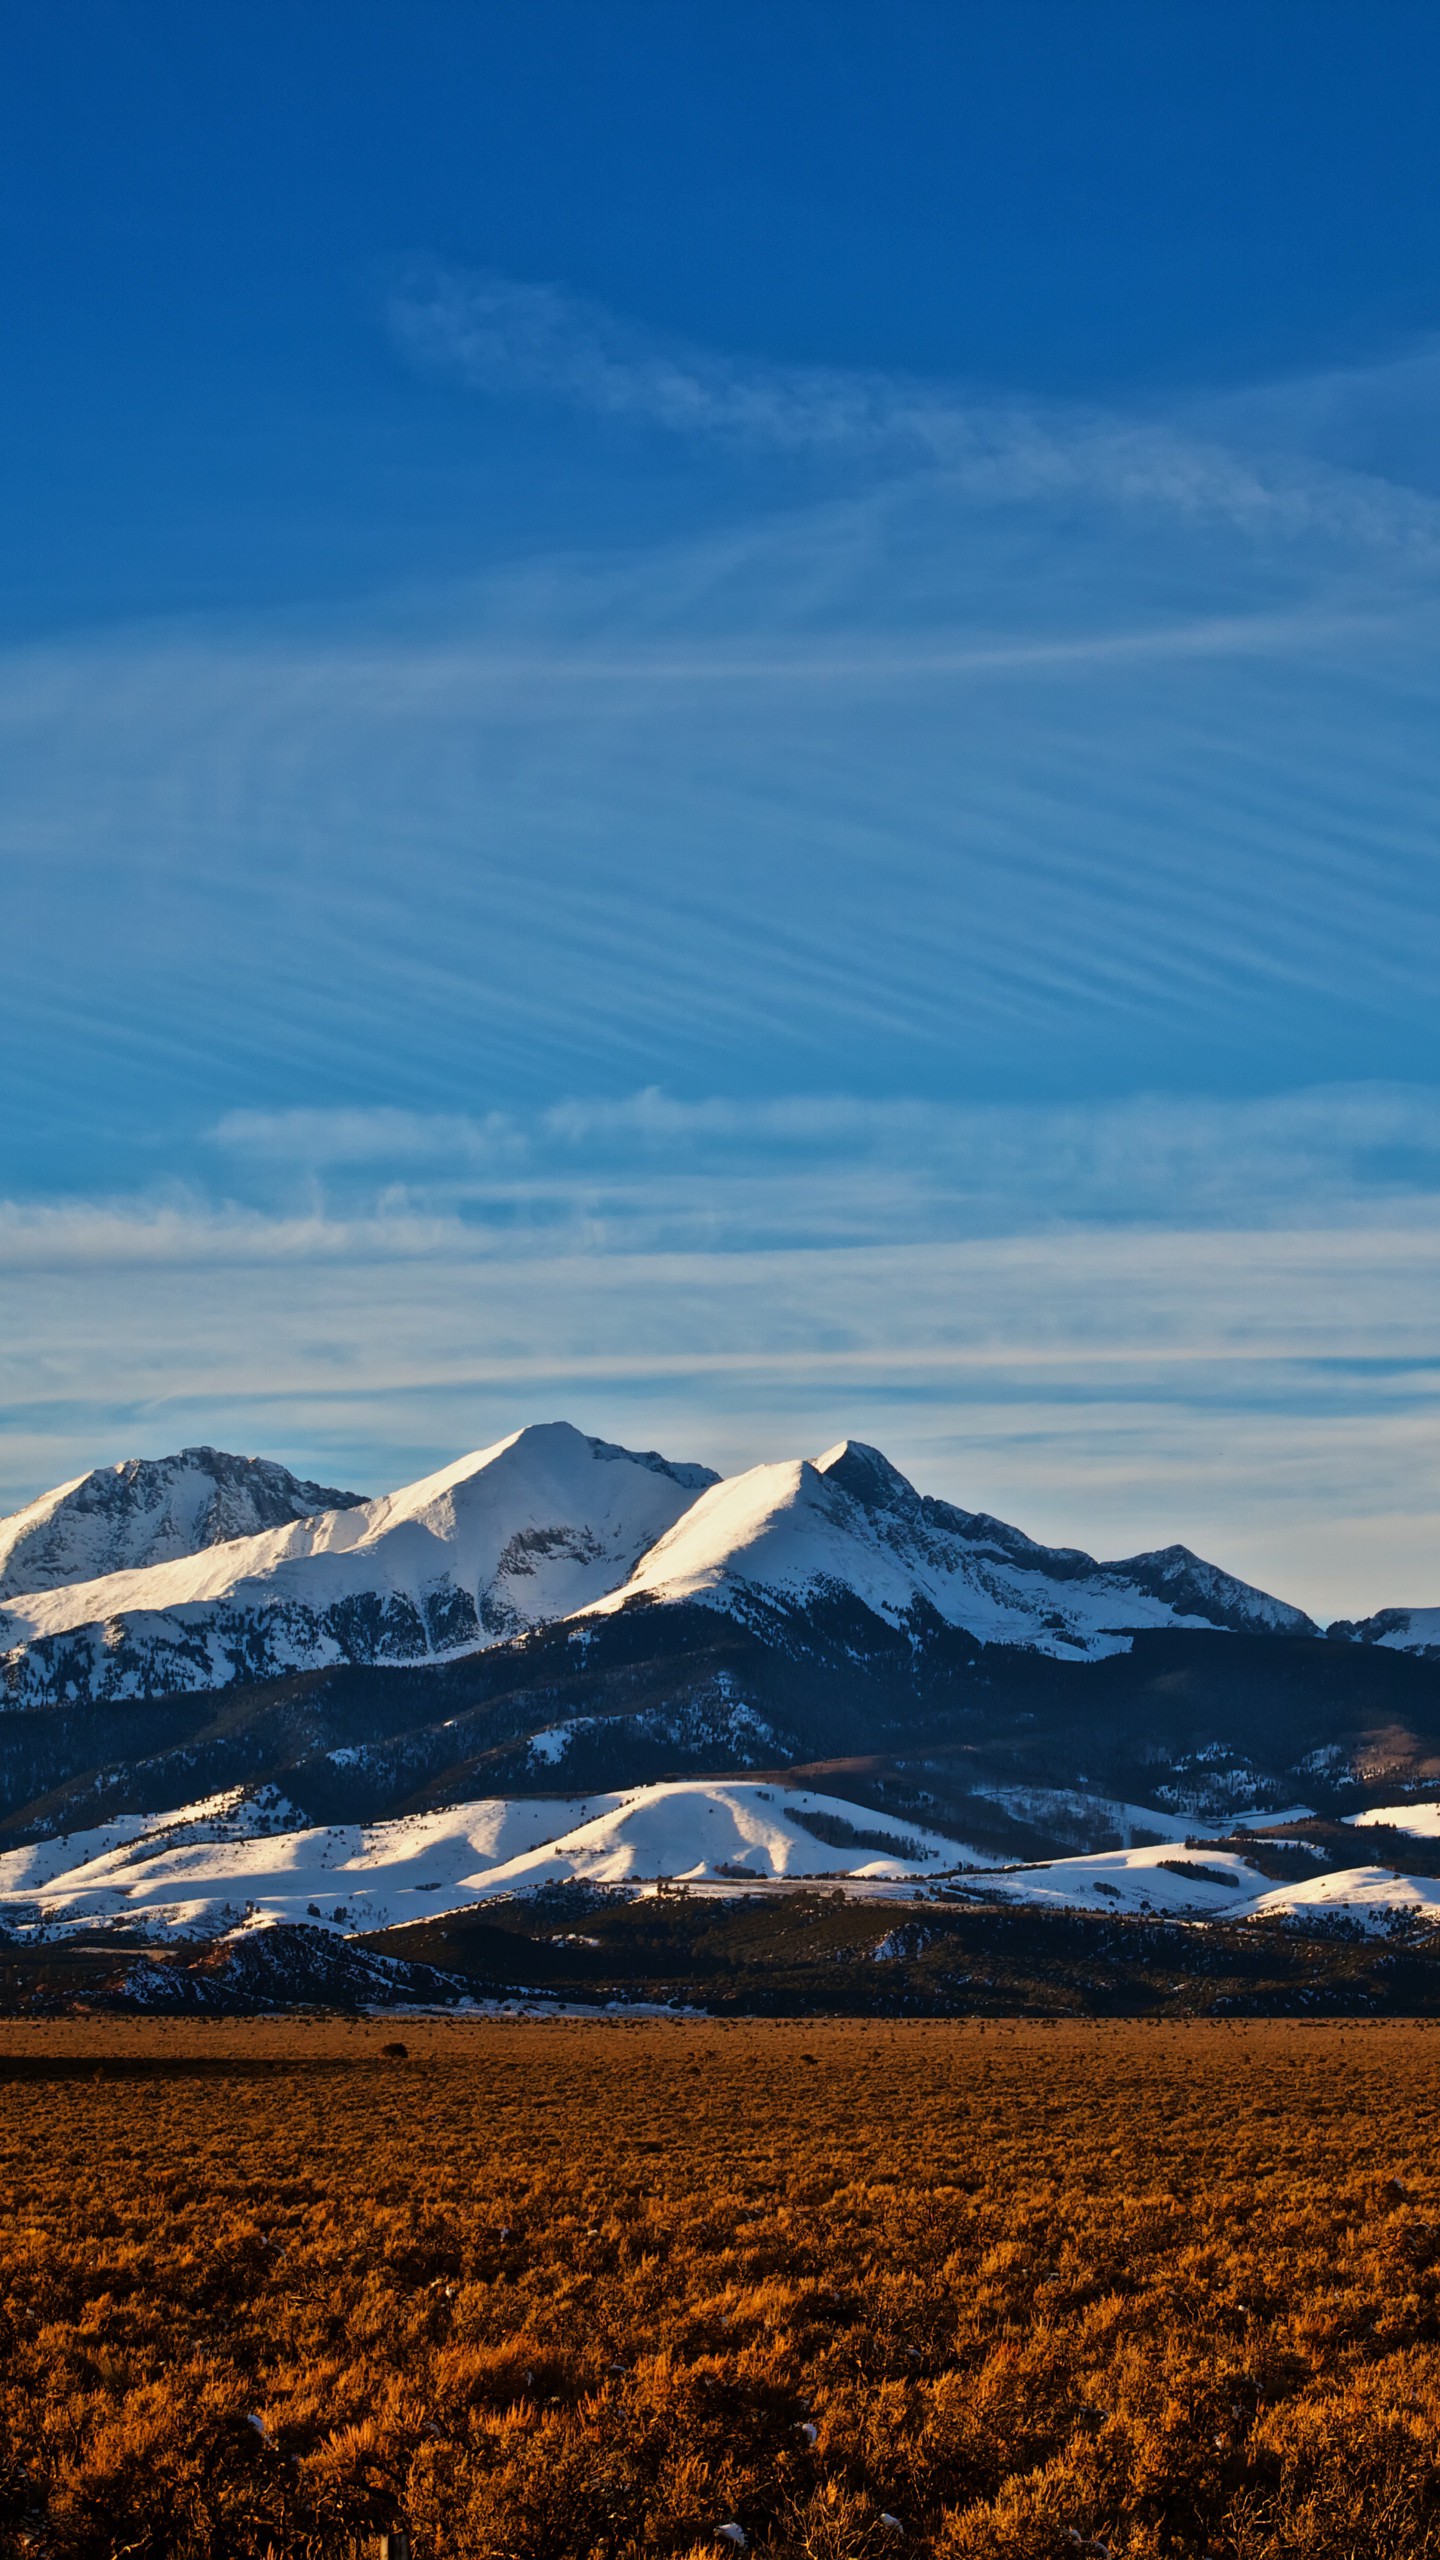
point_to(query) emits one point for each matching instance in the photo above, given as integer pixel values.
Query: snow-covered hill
(515, 1535)
(237, 1814)
(1372, 1898)
(151, 1511)
(850, 1526)
(211, 1868)
(546, 1526)
(1214, 1883)
(242, 1861)
(731, 1829)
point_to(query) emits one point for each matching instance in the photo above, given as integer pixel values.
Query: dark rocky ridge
(793, 1954)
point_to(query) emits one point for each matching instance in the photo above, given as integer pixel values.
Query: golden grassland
(572, 2288)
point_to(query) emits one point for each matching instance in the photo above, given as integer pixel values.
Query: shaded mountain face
(1399, 1630)
(807, 1955)
(148, 1511)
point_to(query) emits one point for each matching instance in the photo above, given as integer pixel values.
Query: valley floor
(542, 2289)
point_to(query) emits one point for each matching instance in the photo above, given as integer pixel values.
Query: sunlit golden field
(572, 2288)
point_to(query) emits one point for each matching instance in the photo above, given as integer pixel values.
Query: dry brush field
(574, 2288)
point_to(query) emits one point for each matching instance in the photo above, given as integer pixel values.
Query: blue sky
(725, 720)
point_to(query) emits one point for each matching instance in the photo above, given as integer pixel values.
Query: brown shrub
(988, 2293)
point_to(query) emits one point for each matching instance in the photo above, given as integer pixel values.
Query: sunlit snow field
(239, 1861)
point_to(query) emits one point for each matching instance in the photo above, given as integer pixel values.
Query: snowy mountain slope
(549, 1527)
(182, 1877)
(506, 1539)
(732, 1830)
(1399, 1630)
(1214, 1883)
(1189, 1727)
(339, 1875)
(1087, 1817)
(798, 1534)
(150, 1511)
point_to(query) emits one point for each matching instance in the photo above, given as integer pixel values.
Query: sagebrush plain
(572, 2288)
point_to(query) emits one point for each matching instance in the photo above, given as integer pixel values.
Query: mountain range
(556, 1613)
(200, 1571)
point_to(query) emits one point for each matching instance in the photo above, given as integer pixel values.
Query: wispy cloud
(652, 1168)
(510, 338)
(373, 1135)
(1214, 1321)
(1268, 1395)
(1379, 416)
(415, 871)
(1045, 759)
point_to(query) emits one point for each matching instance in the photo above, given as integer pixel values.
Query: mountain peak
(500, 1541)
(143, 1511)
(866, 1475)
(804, 1537)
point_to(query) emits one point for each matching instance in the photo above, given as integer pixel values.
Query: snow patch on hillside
(237, 1813)
(1205, 1882)
(1076, 1811)
(718, 1723)
(1398, 1630)
(1422, 1821)
(1212, 1883)
(345, 1876)
(1372, 1898)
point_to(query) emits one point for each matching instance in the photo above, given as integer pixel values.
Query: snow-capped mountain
(550, 1526)
(1399, 1630)
(151, 1511)
(848, 1526)
(509, 1538)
